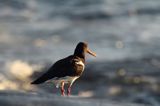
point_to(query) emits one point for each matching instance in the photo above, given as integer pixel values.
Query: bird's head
(81, 49)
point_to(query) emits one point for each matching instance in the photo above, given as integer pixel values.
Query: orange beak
(91, 53)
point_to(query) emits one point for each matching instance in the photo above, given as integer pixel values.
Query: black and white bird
(67, 70)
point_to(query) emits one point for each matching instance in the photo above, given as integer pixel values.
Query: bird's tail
(38, 81)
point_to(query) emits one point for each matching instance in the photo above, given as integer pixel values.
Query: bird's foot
(62, 92)
(62, 89)
(69, 91)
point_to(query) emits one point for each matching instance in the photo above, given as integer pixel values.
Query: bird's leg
(62, 89)
(69, 89)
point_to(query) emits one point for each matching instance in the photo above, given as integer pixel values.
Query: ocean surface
(124, 34)
(50, 29)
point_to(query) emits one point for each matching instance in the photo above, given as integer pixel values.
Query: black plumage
(62, 68)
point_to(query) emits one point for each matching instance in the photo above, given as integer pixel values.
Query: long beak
(91, 53)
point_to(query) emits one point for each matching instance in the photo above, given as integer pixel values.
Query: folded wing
(59, 69)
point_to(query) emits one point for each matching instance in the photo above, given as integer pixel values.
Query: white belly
(67, 79)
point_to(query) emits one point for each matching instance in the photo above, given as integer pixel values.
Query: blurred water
(50, 29)
(41, 31)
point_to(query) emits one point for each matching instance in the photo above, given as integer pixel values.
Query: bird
(66, 70)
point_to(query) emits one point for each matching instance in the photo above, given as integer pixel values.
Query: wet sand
(10, 98)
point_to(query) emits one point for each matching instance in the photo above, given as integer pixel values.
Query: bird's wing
(59, 69)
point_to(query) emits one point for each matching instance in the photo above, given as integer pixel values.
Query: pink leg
(69, 90)
(62, 89)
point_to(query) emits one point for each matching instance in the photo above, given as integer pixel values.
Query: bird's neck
(79, 53)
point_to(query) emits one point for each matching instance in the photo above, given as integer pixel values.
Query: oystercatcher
(67, 70)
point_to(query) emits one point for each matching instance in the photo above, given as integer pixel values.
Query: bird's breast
(78, 66)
